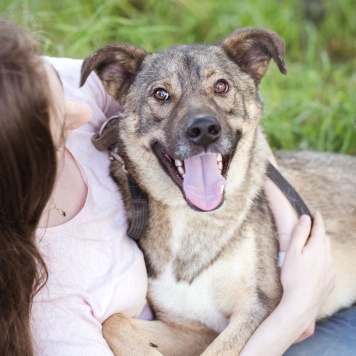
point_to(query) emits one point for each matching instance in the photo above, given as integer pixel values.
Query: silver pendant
(62, 212)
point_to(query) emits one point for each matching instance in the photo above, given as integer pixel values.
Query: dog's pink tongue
(203, 183)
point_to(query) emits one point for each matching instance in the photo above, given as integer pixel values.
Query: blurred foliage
(314, 107)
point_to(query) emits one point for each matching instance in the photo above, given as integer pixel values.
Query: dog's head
(186, 110)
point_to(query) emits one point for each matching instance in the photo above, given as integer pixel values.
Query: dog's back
(327, 182)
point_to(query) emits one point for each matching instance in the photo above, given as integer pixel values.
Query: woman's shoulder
(91, 93)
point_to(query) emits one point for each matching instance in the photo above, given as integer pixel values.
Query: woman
(94, 269)
(28, 168)
(31, 131)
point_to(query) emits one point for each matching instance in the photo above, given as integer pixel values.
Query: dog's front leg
(124, 339)
(130, 337)
(232, 340)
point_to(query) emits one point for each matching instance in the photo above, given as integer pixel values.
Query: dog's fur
(213, 271)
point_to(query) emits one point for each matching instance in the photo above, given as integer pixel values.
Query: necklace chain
(60, 211)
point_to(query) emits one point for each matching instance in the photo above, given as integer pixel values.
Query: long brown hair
(27, 174)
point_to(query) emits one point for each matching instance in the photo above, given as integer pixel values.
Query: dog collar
(106, 140)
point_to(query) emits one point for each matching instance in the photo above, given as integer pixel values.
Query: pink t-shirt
(95, 269)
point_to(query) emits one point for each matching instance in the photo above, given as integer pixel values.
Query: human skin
(65, 116)
(308, 277)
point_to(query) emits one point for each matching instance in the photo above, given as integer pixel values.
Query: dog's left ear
(116, 65)
(252, 49)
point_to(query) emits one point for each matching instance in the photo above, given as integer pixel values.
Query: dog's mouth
(201, 178)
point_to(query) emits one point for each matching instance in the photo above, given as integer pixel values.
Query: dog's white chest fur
(210, 297)
(172, 297)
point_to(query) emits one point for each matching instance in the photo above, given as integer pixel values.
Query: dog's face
(186, 109)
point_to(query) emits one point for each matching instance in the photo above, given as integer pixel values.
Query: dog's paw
(124, 338)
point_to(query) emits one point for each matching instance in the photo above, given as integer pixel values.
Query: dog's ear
(252, 49)
(115, 64)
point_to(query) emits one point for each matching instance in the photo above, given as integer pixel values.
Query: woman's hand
(308, 272)
(308, 277)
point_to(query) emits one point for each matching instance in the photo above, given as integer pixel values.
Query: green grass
(313, 107)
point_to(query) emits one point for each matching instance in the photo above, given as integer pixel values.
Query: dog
(190, 135)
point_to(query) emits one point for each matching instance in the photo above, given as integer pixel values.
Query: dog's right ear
(115, 64)
(252, 49)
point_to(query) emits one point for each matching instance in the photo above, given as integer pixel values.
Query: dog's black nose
(203, 130)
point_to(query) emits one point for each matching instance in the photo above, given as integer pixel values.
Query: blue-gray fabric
(335, 336)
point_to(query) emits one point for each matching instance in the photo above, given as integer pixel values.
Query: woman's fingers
(305, 233)
(300, 233)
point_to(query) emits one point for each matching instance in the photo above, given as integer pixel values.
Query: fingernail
(304, 220)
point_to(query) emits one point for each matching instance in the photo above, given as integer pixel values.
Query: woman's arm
(285, 218)
(284, 215)
(308, 277)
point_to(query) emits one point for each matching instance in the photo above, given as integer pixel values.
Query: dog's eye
(161, 94)
(221, 87)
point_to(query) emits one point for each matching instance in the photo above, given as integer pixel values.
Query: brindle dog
(190, 135)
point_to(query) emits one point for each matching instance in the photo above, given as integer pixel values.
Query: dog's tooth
(220, 166)
(180, 170)
(219, 157)
(183, 175)
(222, 188)
(178, 163)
